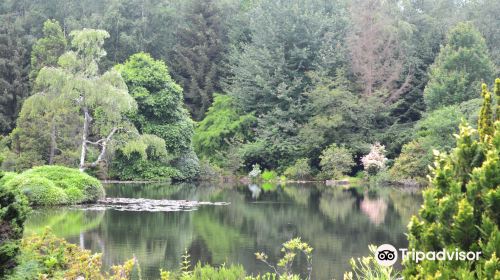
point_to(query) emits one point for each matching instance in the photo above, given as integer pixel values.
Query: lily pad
(148, 205)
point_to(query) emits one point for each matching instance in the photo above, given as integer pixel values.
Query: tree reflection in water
(336, 222)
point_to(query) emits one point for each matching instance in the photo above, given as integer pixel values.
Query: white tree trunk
(85, 133)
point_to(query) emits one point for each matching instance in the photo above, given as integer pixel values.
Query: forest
(282, 84)
(361, 92)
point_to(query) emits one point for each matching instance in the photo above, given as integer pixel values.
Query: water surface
(338, 223)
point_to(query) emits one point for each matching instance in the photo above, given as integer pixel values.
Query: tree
(287, 40)
(14, 67)
(464, 195)
(95, 104)
(47, 50)
(485, 124)
(160, 109)
(480, 13)
(103, 96)
(198, 56)
(462, 64)
(433, 132)
(376, 54)
(336, 161)
(143, 157)
(222, 124)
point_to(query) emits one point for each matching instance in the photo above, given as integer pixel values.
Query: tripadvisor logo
(387, 255)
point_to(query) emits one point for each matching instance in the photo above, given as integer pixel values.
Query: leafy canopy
(461, 65)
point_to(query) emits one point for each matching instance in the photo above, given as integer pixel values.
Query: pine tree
(485, 122)
(461, 209)
(461, 66)
(270, 71)
(14, 67)
(198, 56)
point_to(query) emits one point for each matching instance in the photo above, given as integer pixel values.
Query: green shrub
(13, 212)
(434, 131)
(188, 165)
(299, 170)
(413, 161)
(144, 158)
(202, 272)
(269, 175)
(48, 257)
(7, 176)
(75, 195)
(38, 190)
(461, 209)
(368, 268)
(335, 162)
(53, 185)
(209, 172)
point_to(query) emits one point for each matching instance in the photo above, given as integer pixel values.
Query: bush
(413, 161)
(38, 190)
(375, 161)
(368, 268)
(269, 175)
(188, 165)
(209, 172)
(461, 209)
(7, 176)
(202, 272)
(13, 212)
(53, 185)
(335, 162)
(434, 131)
(255, 172)
(65, 177)
(48, 257)
(143, 158)
(299, 170)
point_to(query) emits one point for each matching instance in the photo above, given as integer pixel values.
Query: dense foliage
(461, 65)
(54, 185)
(434, 131)
(221, 127)
(294, 77)
(160, 113)
(336, 162)
(461, 206)
(13, 213)
(48, 257)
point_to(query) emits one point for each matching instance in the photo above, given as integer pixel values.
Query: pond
(338, 223)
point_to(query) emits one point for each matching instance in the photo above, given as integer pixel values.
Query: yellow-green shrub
(55, 185)
(48, 257)
(461, 208)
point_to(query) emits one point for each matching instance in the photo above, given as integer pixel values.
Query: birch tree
(76, 88)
